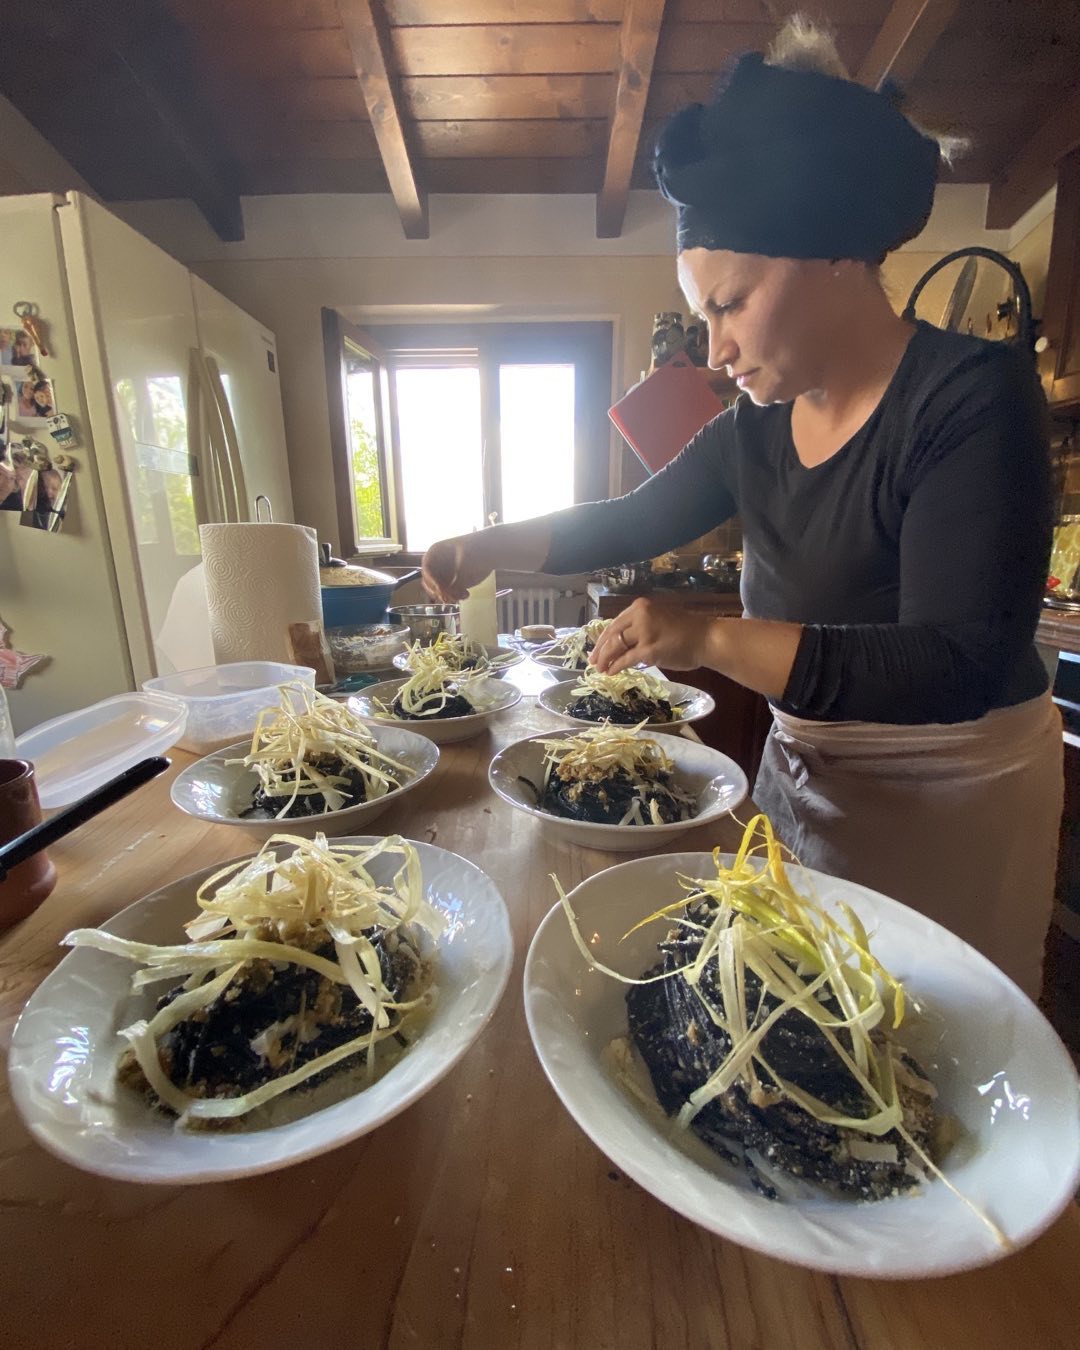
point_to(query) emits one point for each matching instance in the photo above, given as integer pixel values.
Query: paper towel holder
(262, 497)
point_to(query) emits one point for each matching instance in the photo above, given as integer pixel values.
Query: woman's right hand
(452, 566)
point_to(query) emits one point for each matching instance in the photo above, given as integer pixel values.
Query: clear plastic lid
(74, 754)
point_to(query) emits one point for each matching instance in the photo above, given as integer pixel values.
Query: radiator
(527, 604)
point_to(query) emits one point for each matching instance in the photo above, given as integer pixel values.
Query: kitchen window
(437, 429)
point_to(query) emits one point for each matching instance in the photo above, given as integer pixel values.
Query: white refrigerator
(173, 393)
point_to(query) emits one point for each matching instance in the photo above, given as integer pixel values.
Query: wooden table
(481, 1217)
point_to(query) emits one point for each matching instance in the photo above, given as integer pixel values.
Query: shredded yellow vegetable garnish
(570, 651)
(601, 751)
(432, 685)
(273, 907)
(800, 954)
(305, 726)
(453, 650)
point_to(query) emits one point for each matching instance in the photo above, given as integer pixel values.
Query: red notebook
(667, 409)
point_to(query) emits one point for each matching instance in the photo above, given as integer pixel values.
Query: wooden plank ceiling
(420, 96)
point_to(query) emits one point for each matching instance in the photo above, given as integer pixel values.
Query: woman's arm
(687, 497)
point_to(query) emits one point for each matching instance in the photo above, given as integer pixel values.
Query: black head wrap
(796, 164)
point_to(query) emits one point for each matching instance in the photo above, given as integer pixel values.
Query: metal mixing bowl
(427, 621)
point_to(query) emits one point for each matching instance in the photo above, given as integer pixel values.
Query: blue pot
(348, 606)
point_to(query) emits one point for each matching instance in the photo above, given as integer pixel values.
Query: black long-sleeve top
(915, 557)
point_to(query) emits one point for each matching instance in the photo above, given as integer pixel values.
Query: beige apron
(959, 822)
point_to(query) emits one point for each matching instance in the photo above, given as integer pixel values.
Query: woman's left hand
(657, 634)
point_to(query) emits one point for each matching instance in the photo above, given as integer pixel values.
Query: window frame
(337, 332)
(588, 345)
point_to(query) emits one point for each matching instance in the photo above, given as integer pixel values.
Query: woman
(894, 489)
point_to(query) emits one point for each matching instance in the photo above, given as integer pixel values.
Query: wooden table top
(482, 1217)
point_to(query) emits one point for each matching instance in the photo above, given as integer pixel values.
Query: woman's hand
(660, 635)
(452, 567)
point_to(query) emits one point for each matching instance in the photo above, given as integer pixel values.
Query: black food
(682, 1047)
(456, 705)
(265, 805)
(271, 1019)
(632, 708)
(605, 801)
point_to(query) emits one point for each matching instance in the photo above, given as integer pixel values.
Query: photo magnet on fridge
(62, 432)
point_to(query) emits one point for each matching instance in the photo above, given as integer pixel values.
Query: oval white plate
(496, 695)
(506, 656)
(998, 1066)
(216, 791)
(718, 781)
(696, 704)
(65, 1046)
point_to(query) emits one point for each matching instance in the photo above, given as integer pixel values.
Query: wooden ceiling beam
(904, 40)
(638, 38)
(368, 35)
(1034, 170)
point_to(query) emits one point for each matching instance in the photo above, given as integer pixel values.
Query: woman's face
(22, 344)
(770, 319)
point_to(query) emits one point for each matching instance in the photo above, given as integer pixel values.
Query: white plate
(998, 1066)
(697, 704)
(718, 782)
(507, 657)
(495, 695)
(216, 791)
(65, 1045)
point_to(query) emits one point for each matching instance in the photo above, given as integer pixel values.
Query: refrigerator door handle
(233, 461)
(206, 487)
(227, 508)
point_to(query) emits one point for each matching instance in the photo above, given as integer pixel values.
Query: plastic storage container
(74, 754)
(223, 702)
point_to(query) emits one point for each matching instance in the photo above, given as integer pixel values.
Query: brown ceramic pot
(25, 886)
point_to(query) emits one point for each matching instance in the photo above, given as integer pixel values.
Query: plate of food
(312, 765)
(570, 651)
(459, 653)
(626, 699)
(440, 703)
(615, 787)
(803, 1066)
(261, 1012)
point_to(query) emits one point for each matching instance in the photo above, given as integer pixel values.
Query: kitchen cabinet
(1059, 363)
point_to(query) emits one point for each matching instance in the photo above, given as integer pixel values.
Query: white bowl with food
(458, 652)
(568, 654)
(487, 696)
(86, 1096)
(349, 772)
(999, 1078)
(628, 699)
(630, 791)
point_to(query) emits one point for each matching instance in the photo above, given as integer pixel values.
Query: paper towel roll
(259, 579)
